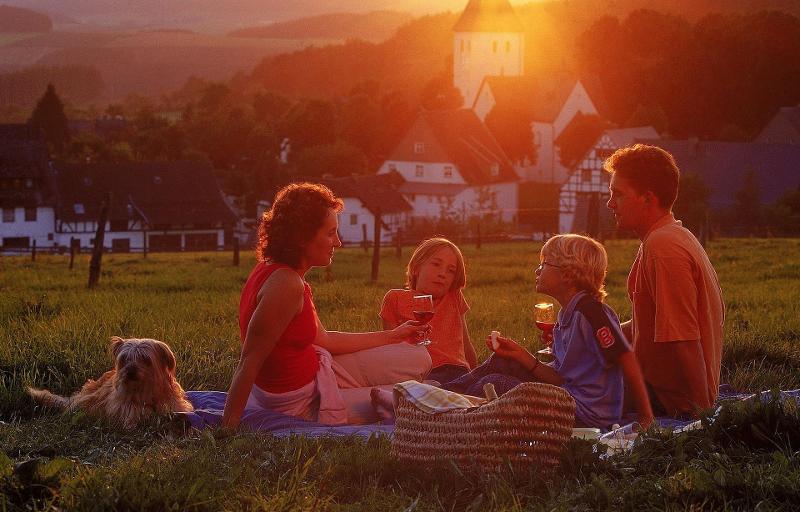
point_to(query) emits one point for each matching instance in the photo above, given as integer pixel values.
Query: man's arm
(635, 382)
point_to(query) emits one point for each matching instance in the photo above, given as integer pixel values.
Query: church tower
(489, 41)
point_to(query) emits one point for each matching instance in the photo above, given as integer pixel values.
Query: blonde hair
(425, 251)
(583, 261)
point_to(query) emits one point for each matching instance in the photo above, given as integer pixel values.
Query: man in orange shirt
(678, 312)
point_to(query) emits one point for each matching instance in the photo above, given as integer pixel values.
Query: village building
(783, 128)
(27, 192)
(583, 197)
(365, 199)
(163, 206)
(453, 166)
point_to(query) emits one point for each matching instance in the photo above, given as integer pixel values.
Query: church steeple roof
(489, 16)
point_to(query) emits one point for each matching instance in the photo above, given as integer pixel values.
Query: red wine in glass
(545, 319)
(422, 307)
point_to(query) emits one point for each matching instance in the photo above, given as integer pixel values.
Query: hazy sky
(219, 14)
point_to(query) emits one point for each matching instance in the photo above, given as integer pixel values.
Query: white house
(364, 198)
(583, 197)
(453, 166)
(27, 194)
(169, 206)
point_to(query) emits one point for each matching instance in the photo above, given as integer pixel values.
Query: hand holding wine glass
(545, 318)
(422, 307)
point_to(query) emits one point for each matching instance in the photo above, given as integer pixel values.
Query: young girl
(436, 268)
(592, 358)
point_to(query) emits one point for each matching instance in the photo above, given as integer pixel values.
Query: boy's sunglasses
(542, 264)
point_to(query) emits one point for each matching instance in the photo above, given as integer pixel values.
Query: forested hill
(655, 65)
(373, 26)
(17, 19)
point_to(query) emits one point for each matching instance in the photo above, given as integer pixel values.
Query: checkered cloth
(431, 399)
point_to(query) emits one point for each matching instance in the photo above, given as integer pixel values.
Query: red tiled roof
(464, 141)
(489, 16)
(375, 192)
(161, 193)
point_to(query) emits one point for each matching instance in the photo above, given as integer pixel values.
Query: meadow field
(54, 334)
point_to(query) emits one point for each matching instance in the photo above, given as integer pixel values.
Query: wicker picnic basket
(527, 425)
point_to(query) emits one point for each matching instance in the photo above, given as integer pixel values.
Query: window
(494, 46)
(30, 214)
(586, 175)
(419, 148)
(29, 183)
(78, 208)
(495, 169)
(419, 171)
(392, 167)
(157, 180)
(353, 219)
(462, 46)
(508, 47)
(8, 214)
(87, 181)
(448, 171)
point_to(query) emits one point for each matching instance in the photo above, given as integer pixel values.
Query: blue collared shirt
(596, 386)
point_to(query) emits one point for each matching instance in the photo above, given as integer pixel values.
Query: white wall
(351, 233)
(136, 238)
(432, 172)
(474, 58)
(578, 101)
(484, 103)
(38, 230)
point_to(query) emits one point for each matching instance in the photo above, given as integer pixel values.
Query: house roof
(160, 193)
(465, 141)
(622, 137)
(786, 121)
(376, 192)
(24, 160)
(541, 97)
(488, 16)
(724, 165)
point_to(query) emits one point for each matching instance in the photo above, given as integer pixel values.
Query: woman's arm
(469, 350)
(337, 342)
(510, 349)
(635, 382)
(280, 299)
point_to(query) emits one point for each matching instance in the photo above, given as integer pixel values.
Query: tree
(512, 128)
(440, 94)
(49, 117)
(579, 136)
(338, 159)
(691, 206)
(747, 208)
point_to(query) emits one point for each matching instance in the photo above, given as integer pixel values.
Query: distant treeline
(374, 26)
(75, 83)
(719, 77)
(17, 19)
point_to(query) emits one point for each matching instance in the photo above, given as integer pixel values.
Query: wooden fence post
(144, 242)
(33, 250)
(398, 245)
(71, 251)
(99, 237)
(235, 251)
(376, 245)
(364, 238)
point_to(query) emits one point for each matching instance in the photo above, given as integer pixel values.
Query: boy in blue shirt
(592, 359)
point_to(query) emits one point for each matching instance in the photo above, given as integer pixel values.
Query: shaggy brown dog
(142, 383)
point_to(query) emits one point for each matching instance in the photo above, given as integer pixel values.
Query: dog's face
(141, 363)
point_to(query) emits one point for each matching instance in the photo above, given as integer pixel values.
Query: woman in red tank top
(280, 363)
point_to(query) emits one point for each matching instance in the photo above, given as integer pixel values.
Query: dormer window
(419, 148)
(419, 171)
(448, 171)
(495, 169)
(78, 209)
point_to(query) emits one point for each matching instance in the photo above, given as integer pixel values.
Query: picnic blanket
(432, 400)
(209, 405)
(622, 438)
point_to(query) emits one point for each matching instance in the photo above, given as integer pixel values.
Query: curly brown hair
(297, 213)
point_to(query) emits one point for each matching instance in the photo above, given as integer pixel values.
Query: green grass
(54, 333)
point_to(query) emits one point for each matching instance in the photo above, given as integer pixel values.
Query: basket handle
(489, 391)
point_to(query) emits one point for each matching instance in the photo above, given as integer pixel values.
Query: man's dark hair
(298, 212)
(647, 168)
